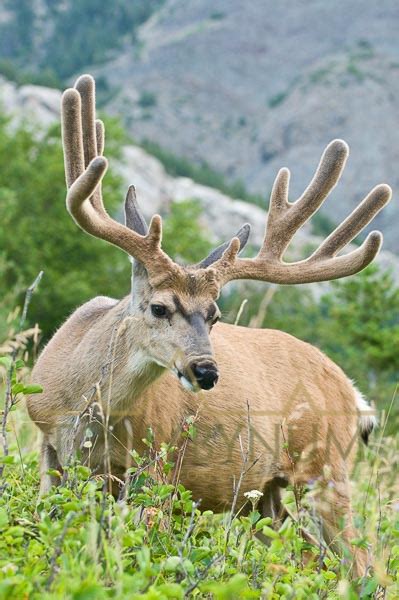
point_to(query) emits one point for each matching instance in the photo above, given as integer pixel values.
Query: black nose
(206, 375)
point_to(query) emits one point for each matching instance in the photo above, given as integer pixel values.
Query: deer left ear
(242, 234)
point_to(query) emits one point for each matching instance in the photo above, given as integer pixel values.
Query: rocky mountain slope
(250, 87)
(221, 215)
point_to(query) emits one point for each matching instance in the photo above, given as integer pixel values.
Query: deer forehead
(189, 284)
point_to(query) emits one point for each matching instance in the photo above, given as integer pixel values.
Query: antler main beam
(285, 218)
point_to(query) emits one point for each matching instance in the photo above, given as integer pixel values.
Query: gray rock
(31, 103)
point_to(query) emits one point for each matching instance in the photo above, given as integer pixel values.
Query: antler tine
(355, 222)
(285, 218)
(133, 216)
(72, 135)
(86, 87)
(327, 175)
(100, 135)
(79, 193)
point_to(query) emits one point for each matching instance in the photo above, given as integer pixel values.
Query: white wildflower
(253, 495)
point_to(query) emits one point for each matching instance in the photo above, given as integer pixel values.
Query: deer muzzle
(205, 374)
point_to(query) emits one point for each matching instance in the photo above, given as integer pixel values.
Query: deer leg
(48, 460)
(334, 507)
(272, 507)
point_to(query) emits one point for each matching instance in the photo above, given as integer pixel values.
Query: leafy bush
(184, 239)
(147, 99)
(361, 328)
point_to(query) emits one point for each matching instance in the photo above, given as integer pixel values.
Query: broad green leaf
(32, 388)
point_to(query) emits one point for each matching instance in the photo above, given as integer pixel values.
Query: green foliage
(183, 236)
(37, 233)
(203, 173)
(18, 386)
(364, 322)
(30, 44)
(147, 99)
(13, 72)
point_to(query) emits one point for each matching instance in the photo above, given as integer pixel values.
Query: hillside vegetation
(35, 41)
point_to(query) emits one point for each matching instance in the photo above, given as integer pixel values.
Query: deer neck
(129, 369)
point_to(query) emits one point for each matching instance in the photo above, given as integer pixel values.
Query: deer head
(174, 305)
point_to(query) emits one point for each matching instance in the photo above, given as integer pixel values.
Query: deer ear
(242, 234)
(133, 216)
(135, 220)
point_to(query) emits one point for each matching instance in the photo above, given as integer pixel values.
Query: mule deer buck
(144, 358)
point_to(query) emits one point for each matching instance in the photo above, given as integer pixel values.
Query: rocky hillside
(221, 215)
(250, 87)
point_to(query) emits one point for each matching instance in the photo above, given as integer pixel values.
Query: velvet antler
(83, 143)
(285, 218)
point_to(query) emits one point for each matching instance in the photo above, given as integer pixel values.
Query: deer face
(176, 325)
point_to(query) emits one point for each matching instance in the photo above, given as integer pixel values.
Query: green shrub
(147, 99)
(183, 237)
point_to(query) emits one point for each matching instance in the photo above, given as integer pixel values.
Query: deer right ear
(242, 234)
(134, 218)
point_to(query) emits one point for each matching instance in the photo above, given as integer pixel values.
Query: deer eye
(158, 310)
(213, 319)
